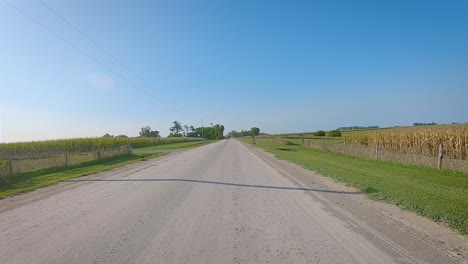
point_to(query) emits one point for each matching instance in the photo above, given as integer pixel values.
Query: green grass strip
(441, 195)
(34, 179)
(182, 145)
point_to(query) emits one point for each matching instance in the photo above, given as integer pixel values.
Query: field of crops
(79, 145)
(18, 157)
(417, 140)
(418, 145)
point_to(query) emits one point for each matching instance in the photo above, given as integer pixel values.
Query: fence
(12, 165)
(407, 156)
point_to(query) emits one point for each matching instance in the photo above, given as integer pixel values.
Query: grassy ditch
(441, 195)
(34, 179)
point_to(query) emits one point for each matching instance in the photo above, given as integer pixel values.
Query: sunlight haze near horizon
(282, 66)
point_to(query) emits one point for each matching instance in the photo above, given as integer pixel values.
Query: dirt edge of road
(437, 235)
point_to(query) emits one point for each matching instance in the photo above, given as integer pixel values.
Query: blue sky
(284, 66)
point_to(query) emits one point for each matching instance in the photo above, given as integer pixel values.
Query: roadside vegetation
(16, 158)
(441, 195)
(79, 145)
(34, 179)
(38, 178)
(29, 165)
(422, 140)
(425, 144)
(173, 146)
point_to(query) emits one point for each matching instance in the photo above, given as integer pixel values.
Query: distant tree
(107, 135)
(334, 133)
(425, 124)
(358, 127)
(154, 133)
(121, 136)
(255, 131)
(233, 133)
(175, 129)
(319, 133)
(192, 132)
(213, 133)
(147, 132)
(202, 132)
(220, 134)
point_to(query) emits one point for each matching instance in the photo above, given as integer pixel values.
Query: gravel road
(225, 202)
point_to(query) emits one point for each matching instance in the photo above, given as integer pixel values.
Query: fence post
(10, 166)
(441, 156)
(308, 143)
(66, 158)
(344, 146)
(377, 150)
(129, 147)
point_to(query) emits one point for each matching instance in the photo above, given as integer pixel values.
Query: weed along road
(225, 202)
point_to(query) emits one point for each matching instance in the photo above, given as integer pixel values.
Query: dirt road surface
(225, 202)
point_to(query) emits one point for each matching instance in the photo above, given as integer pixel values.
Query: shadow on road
(214, 182)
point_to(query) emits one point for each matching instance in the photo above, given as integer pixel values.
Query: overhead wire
(121, 63)
(90, 39)
(83, 52)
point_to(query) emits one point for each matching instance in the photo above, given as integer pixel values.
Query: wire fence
(13, 165)
(406, 156)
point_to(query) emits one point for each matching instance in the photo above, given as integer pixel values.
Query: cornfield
(79, 145)
(417, 140)
(18, 157)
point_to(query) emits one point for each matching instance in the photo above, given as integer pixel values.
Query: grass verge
(35, 179)
(190, 144)
(441, 195)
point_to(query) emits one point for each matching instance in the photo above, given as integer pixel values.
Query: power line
(81, 50)
(59, 15)
(90, 39)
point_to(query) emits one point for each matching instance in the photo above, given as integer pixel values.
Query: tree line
(179, 130)
(254, 131)
(358, 127)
